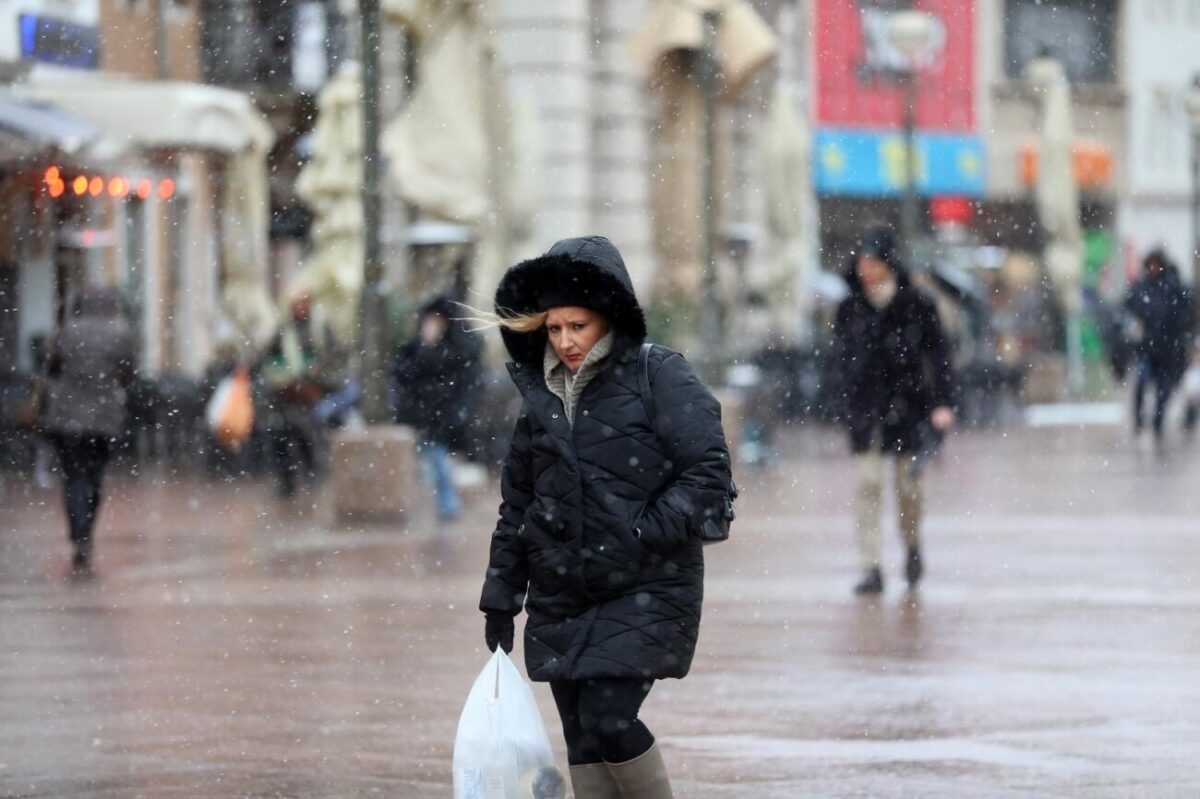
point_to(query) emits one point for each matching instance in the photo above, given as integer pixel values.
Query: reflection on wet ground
(232, 645)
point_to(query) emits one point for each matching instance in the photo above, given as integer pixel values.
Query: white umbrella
(245, 217)
(331, 185)
(1058, 204)
(789, 281)
(1056, 190)
(461, 151)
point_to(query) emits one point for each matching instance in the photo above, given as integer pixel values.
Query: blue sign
(57, 41)
(869, 163)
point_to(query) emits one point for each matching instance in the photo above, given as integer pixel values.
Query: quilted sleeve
(689, 422)
(508, 572)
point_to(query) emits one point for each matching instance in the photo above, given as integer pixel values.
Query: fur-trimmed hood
(587, 272)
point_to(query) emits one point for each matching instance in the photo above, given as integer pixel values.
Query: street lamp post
(912, 34)
(909, 205)
(710, 321)
(373, 308)
(1192, 105)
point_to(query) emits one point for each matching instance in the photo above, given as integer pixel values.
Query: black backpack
(716, 524)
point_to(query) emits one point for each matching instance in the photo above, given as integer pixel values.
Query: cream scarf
(568, 387)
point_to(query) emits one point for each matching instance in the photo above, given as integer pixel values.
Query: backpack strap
(644, 387)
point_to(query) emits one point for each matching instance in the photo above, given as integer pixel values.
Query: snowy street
(230, 644)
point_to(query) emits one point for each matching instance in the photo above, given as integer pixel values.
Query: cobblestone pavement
(231, 644)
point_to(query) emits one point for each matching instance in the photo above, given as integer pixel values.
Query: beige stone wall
(1008, 117)
(621, 118)
(597, 116)
(568, 57)
(544, 46)
(129, 42)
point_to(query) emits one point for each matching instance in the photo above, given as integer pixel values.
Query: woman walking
(89, 366)
(598, 531)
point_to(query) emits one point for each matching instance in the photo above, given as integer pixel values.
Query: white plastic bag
(501, 750)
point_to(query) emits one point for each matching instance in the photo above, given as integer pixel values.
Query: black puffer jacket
(436, 387)
(892, 365)
(601, 601)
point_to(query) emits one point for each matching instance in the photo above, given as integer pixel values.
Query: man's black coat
(891, 365)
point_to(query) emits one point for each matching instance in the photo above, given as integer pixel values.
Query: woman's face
(573, 332)
(872, 271)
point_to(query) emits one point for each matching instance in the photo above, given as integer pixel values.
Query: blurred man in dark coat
(896, 389)
(1160, 308)
(436, 383)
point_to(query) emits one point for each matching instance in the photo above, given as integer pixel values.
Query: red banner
(854, 89)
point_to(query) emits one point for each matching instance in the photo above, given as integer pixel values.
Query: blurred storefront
(141, 208)
(30, 135)
(112, 168)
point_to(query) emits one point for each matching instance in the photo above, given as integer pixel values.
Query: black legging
(294, 454)
(1164, 386)
(599, 719)
(83, 459)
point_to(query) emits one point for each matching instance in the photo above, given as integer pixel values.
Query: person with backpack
(895, 385)
(603, 509)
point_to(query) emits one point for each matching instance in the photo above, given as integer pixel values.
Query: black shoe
(871, 583)
(81, 561)
(913, 567)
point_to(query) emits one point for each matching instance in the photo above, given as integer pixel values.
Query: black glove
(499, 629)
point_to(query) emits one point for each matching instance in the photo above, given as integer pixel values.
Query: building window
(1160, 139)
(1080, 33)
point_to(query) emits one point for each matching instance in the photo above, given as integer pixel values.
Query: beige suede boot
(644, 777)
(593, 781)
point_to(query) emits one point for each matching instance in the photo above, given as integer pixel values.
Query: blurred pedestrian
(598, 531)
(895, 384)
(296, 379)
(1160, 309)
(89, 366)
(435, 388)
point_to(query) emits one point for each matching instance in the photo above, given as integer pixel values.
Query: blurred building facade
(1130, 64)
(1160, 73)
(570, 59)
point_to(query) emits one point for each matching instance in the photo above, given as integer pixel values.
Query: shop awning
(159, 114)
(29, 128)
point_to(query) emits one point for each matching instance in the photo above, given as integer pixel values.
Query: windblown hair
(505, 319)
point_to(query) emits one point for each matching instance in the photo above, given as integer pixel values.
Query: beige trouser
(869, 512)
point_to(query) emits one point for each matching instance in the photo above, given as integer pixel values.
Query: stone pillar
(620, 158)
(544, 46)
(374, 474)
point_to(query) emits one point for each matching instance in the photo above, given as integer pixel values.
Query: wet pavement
(231, 644)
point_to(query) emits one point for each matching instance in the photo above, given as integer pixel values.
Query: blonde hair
(505, 318)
